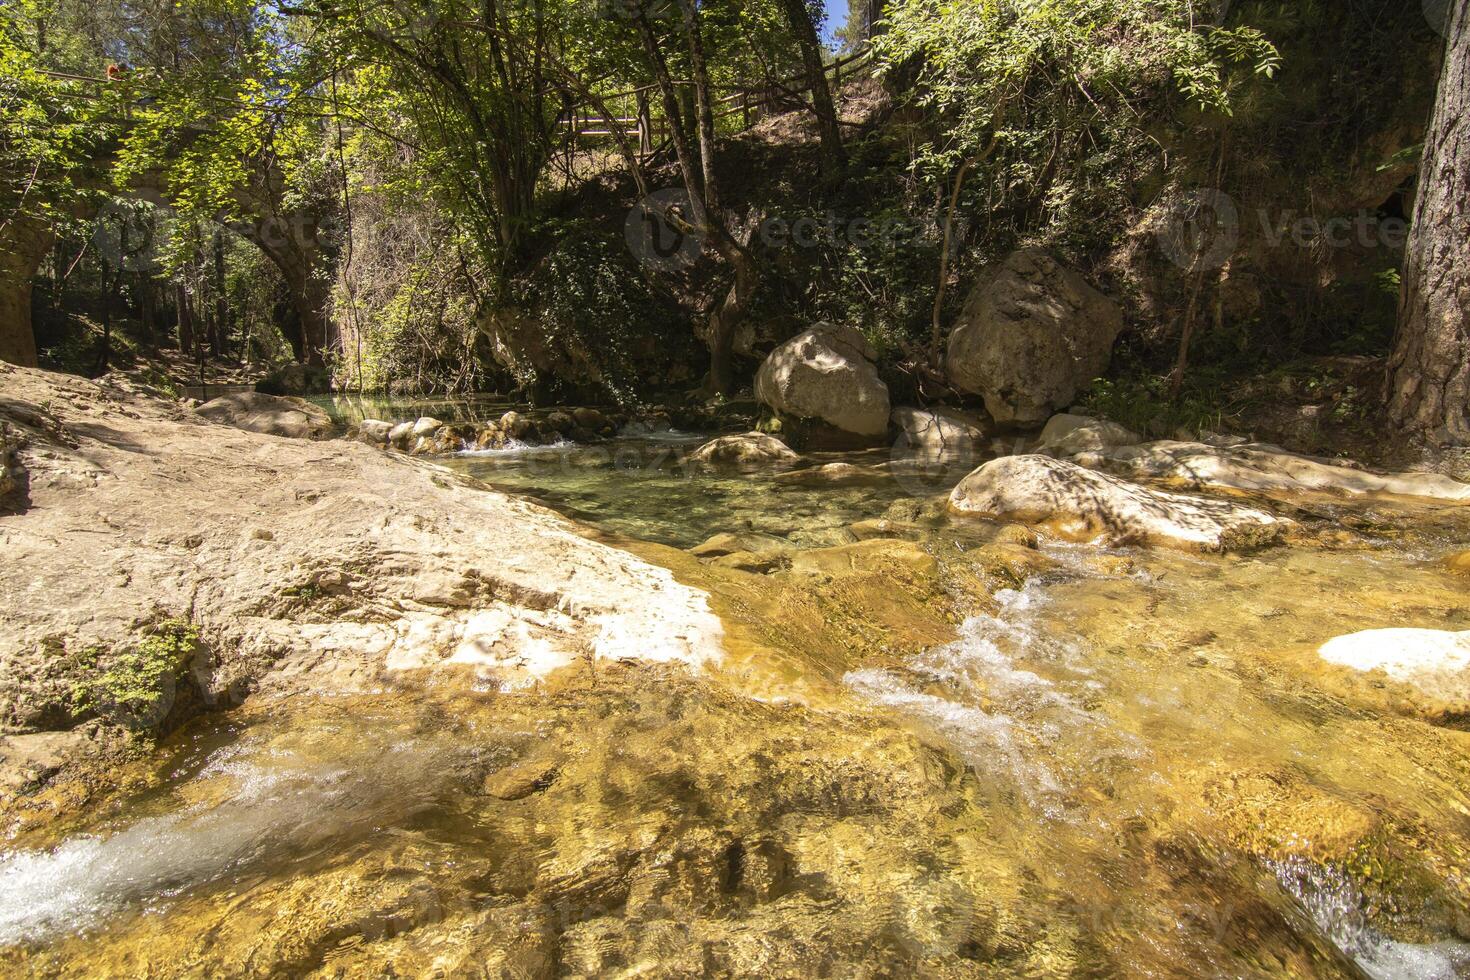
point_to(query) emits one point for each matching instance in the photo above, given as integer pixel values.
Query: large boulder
(1032, 334)
(1437, 662)
(1067, 435)
(827, 373)
(270, 415)
(374, 432)
(749, 450)
(938, 432)
(1081, 504)
(1257, 466)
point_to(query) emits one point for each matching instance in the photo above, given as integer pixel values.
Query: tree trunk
(1429, 370)
(186, 319)
(805, 31)
(703, 102)
(23, 244)
(299, 257)
(222, 327)
(699, 184)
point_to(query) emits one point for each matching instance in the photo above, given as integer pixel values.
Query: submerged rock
(1436, 662)
(271, 415)
(749, 450)
(939, 432)
(833, 473)
(826, 373)
(1032, 334)
(1259, 467)
(727, 543)
(1079, 503)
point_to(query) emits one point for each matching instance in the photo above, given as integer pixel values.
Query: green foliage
(136, 682)
(1064, 107)
(1144, 403)
(590, 301)
(49, 125)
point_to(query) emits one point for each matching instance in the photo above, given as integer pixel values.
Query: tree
(804, 30)
(47, 135)
(697, 167)
(1429, 369)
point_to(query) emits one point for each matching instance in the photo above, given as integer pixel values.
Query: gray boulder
(374, 432)
(400, 435)
(1032, 334)
(826, 373)
(1067, 435)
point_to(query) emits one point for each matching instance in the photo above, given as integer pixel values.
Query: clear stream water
(1129, 763)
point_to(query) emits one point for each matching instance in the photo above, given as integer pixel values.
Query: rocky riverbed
(755, 712)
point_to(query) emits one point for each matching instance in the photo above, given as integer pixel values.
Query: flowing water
(931, 751)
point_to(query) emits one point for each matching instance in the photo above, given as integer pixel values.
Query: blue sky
(836, 17)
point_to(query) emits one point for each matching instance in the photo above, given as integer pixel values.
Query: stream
(929, 752)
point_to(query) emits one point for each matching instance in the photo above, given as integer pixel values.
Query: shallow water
(1128, 763)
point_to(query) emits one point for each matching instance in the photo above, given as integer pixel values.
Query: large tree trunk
(299, 257)
(23, 244)
(799, 17)
(1429, 370)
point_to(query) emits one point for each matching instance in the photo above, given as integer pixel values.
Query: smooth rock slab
(1258, 467)
(1080, 504)
(1437, 662)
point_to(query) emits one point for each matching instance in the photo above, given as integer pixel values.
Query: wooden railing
(633, 113)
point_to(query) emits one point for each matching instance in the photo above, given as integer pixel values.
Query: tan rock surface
(1079, 503)
(302, 564)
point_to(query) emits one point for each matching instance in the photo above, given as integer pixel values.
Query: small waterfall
(1335, 906)
(280, 808)
(1003, 719)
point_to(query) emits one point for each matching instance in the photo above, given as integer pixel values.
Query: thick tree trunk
(23, 244)
(299, 257)
(186, 319)
(805, 32)
(1429, 370)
